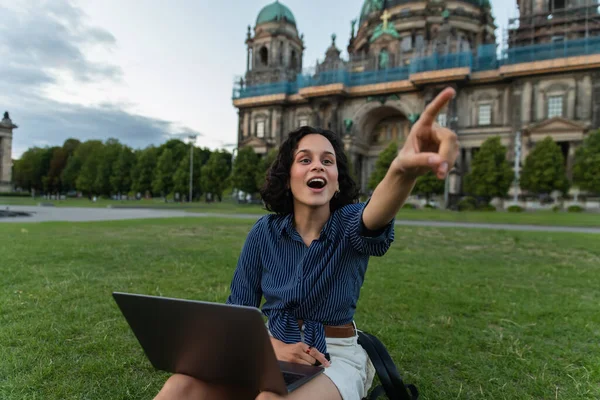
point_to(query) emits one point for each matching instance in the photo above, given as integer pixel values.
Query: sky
(143, 71)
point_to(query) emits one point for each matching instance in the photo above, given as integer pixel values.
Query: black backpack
(391, 382)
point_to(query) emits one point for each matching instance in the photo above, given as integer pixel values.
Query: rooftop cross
(385, 18)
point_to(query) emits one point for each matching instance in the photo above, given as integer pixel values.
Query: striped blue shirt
(319, 284)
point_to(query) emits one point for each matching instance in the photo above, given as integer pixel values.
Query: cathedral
(543, 80)
(6, 128)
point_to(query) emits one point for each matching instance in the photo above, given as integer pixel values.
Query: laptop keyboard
(290, 378)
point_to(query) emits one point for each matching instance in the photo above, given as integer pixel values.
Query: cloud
(42, 44)
(60, 121)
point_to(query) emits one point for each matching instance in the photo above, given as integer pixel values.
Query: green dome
(275, 12)
(370, 6)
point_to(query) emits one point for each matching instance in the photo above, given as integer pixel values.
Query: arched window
(281, 53)
(264, 56)
(554, 5)
(294, 60)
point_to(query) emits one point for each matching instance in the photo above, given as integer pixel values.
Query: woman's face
(314, 173)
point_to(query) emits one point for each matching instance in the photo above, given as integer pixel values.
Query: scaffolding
(553, 25)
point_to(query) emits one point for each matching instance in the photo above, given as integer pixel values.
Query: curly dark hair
(275, 192)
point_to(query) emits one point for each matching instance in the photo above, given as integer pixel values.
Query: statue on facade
(353, 23)
(348, 123)
(6, 116)
(384, 59)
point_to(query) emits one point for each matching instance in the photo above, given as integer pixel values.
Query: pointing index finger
(433, 109)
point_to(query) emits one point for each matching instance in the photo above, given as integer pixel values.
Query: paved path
(81, 214)
(72, 214)
(436, 224)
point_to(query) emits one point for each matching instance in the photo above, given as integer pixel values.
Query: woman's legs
(321, 388)
(185, 387)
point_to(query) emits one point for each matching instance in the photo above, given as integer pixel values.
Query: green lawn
(589, 219)
(467, 314)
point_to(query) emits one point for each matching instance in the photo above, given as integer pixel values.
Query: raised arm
(428, 147)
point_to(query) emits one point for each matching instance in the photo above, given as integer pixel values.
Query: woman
(308, 259)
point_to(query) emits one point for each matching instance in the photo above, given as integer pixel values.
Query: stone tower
(275, 51)
(554, 21)
(6, 131)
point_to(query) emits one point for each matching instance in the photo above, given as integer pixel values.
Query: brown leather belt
(338, 332)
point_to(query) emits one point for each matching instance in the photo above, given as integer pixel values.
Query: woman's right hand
(299, 353)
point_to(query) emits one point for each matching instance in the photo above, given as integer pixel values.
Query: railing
(385, 75)
(485, 59)
(240, 92)
(549, 51)
(322, 78)
(437, 62)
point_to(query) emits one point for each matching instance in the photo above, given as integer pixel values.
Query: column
(249, 129)
(1, 158)
(240, 125)
(571, 159)
(270, 128)
(526, 103)
(469, 158)
(6, 159)
(459, 162)
(248, 59)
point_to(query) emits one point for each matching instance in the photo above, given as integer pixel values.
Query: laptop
(216, 343)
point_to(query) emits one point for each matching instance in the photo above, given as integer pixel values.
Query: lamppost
(192, 142)
(517, 166)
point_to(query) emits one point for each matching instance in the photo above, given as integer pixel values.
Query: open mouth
(317, 183)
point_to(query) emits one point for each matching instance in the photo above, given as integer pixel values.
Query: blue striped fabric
(319, 284)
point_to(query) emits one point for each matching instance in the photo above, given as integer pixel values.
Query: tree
(178, 148)
(586, 169)
(215, 173)
(88, 175)
(141, 174)
(163, 175)
(58, 162)
(428, 185)
(120, 180)
(544, 170)
(491, 174)
(75, 162)
(68, 177)
(265, 164)
(246, 169)
(110, 153)
(70, 145)
(181, 177)
(383, 164)
(33, 167)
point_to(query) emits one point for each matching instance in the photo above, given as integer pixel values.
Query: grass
(486, 315)
(544, 218)
(547, 218)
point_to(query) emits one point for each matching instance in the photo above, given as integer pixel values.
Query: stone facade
(551, 21)
(559, 97)
(6, 131)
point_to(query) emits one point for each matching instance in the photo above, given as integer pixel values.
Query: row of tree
(492, 175)
(112, 168)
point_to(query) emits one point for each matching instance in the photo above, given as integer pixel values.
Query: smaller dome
(275, 12)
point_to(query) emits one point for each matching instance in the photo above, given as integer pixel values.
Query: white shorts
(351, 370)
